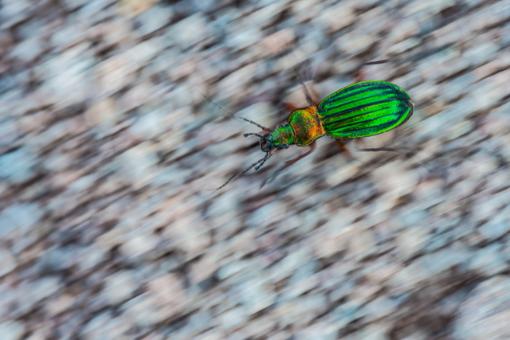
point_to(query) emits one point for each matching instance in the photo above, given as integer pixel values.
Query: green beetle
(362, 109)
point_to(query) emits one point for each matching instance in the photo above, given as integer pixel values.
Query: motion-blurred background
(118, 122)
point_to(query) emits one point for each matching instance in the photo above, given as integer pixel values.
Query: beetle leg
(312, 97)
(304, 74)
(287, 164)
(289, 106)
(360, 75)
(303, 155)
(342, 145)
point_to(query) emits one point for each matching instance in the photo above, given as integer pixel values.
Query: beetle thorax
(306, 125)
(282, 136)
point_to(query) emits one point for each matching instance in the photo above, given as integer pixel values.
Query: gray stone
(142, 310)
(320, 330)
(496, 227)
(377, 331)
(442, 260)
(18, 219)
(380, 307)
(66, 36)
(189, 31)
(28, 50)
(154, 19)
(105, 323)
(200, 320)
(150, 125)
(485, 313)
(66, 70)
(14, 12)
(12, 330)
(8, 261)
(481, 52)
(30, 294)
(267, 214)
(346, 313)
(301, 311)
(331, 19)
(17, 166)
(138, 163)
(120, 286)
(489, 260)
(233, 318)
(256, 295)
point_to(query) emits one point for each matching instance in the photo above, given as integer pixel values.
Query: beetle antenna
(253, 134)
(255, 165)
(245, 119)
(256, 124)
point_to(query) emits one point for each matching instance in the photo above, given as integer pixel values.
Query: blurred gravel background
(117, 124)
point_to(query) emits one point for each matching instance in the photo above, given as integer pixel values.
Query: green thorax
(282, 135)
(303, 128)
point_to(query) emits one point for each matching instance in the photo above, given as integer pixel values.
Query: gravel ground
(117, 123)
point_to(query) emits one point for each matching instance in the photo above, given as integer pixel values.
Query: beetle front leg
(288, 164)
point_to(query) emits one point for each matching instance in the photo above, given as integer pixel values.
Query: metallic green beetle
(362, 109)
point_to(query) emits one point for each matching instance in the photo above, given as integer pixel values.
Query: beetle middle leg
(305, 73)
(359, 74)
(312, 97)
(342, 145)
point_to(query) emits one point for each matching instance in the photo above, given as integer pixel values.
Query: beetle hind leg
(342, 146)
(359, 74)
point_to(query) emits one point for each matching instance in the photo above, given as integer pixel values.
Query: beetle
(362, 109)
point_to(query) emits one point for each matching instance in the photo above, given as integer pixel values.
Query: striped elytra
(364, 109)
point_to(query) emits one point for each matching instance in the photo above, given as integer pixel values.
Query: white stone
(119, 286)
(116, 327)
(40, 289)
(256, 297)
(189, 31)
(233, 318)
(7, 260)
(337, 17)
(69, 70)
(17, 166)
(394, 178)
(11, 330)
(411, 240)
(138, 245)
(485, 313)
(19, 219)
(489, 260)
(320, 331)
(115, 73)
(169, 291)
